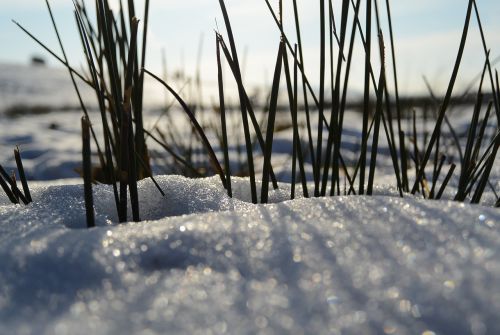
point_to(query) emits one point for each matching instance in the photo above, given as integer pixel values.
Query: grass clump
(9, 183)
(327, 162)
(115, 56)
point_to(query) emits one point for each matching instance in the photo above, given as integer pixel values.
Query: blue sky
(427, 35)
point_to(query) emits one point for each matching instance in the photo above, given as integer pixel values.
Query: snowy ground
(350, 265)
(202, 263)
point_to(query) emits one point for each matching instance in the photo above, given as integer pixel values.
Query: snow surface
(207, 264)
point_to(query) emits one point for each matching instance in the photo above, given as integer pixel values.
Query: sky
(427, 36)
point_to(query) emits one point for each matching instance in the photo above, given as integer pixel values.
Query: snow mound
(64, 203)
(342, 265)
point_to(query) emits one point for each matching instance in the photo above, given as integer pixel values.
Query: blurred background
(181, 44)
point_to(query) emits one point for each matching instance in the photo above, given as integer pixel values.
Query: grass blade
(243, 104)
(364, 135)
(87, 173)
(445, 182)
(127, 106)
(486, 174)
(297, 153)
(378, 113)
(108, 145)
(8, 190)
(14, 185)
(335, 132)
(171, 151)
(222, 107)
(480, 136)
(446, 101)
(140, 140)
(251, 114)
(436, 175)
(16, 193)
(404, 173)
(321, 105)
(270, 125)
(304, 85)
(22, 175)
(486, 53)
(467, 162)
(215, 162)
(72, 76)
(52, 53)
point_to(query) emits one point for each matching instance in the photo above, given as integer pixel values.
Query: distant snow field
(207, 264)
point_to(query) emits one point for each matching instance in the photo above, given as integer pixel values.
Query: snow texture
(207, 264)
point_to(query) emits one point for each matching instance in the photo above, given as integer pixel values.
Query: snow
(203, 263)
